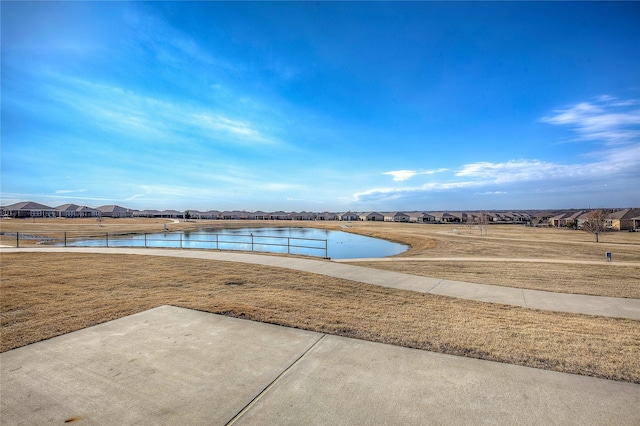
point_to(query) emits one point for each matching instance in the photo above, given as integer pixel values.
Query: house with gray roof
(445, 217)
(420, 217)
(396, 217)
(112, 210)
(348, 216)
(234, 215)
(258, 215)
(327, 216)
(29, 209)
(74, 211)
(279, 215)
(302, 216)
(371, 216)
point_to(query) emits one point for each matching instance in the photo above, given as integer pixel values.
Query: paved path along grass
(172, 365)
(559, 302)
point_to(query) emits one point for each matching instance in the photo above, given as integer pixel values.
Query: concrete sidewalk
(559, 302)
(172, 365)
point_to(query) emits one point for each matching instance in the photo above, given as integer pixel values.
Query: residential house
(569, 219)
(234, 215)
(302, 216)
(555, 220)
(622, 220)
(582, 218)
(146, 213)
(195, 214)
(259, 215)
(396, 217)
(520, 217)
(279, 215)
(419, 217)
(74, 210)
(541, 218)
(29, 209)
(172, 214)
(327, 216)
(211, 214)
(371, 216)
(493, 217)
(471, 218)
(348, 216)
(445, 217)
(114, 211)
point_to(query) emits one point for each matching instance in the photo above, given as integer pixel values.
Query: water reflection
(305, 241)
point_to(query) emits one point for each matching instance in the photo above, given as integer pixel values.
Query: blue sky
(321, 106)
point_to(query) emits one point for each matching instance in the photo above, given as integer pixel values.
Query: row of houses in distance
(30, 209)
(621, 219)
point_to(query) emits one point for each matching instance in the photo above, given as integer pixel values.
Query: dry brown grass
(440, 241)
(49, 294)
(609, 280)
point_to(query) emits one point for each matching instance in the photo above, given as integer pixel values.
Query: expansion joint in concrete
(274, 382)
(436, 285)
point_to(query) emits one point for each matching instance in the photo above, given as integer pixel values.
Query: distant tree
(484, 220)
(187, 215)
(572, 224)
(469, 219)
(596, 223)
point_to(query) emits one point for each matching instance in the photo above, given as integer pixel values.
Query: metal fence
(183, 240)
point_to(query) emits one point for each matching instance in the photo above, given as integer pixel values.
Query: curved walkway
(490, 259)
(559, 302)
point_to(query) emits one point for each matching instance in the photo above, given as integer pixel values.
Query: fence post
(65, 238)
(252, 241)
(107, 234)
(217, 246)
(17, 240)
(326, 249)
(180, 239)
(288, 245)
(145, 240)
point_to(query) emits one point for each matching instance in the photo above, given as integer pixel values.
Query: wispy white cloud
(112, 109)
(237, 128)
(606, 119)
(491, 193)
(389, 193)
(69, 191)
(135, 196)
(401, 175)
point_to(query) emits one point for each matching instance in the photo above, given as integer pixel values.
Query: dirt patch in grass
(48, 294)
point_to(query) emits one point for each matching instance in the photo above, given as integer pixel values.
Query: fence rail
(183, 240)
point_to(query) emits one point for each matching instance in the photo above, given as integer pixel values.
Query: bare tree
(596, 222)
(483, 223)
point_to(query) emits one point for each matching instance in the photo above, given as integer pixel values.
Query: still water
(305, 241)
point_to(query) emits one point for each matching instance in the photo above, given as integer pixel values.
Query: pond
(304, 241)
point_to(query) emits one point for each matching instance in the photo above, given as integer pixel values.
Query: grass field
(46, 294)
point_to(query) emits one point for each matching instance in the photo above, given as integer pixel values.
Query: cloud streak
(125, 112)
(402, 175)
(608, 121)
